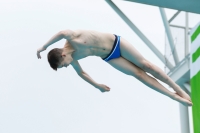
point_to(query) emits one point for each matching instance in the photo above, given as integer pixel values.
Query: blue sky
(36, 99)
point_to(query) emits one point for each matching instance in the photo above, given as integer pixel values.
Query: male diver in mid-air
(116, 51)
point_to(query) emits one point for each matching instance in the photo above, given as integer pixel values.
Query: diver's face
(66, 59)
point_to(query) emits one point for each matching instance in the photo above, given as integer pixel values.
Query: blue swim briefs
(115, 52)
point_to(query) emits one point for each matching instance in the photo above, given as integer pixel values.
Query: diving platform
(192, 6)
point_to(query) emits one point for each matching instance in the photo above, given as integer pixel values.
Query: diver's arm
(87, 78)
(83, 74)
(57, 37)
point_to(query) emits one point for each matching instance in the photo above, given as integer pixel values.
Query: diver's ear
(63, 55)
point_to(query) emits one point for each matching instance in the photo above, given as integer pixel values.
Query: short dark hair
(54, 57)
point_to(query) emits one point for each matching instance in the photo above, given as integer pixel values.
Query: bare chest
(91, 44)
(84, 48)
(89, 51)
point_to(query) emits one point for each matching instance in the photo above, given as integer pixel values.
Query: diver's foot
(184, 95)
(182, 100)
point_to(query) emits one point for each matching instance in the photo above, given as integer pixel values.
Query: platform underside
(181, 5)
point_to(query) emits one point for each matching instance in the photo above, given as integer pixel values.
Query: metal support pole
(172, 18)
(169, 35)
(186, 34)
(140, 34)
(178, 26)
(187, 86)
(184, 118)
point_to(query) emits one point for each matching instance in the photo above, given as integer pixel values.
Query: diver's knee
(147, 66)
(139, 75)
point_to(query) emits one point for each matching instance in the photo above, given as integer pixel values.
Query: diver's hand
(103, 88)
(40, 50)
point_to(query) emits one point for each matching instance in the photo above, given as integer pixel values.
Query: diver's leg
(129, 68)
(130, 53)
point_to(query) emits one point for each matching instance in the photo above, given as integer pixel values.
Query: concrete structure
(180, 72)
